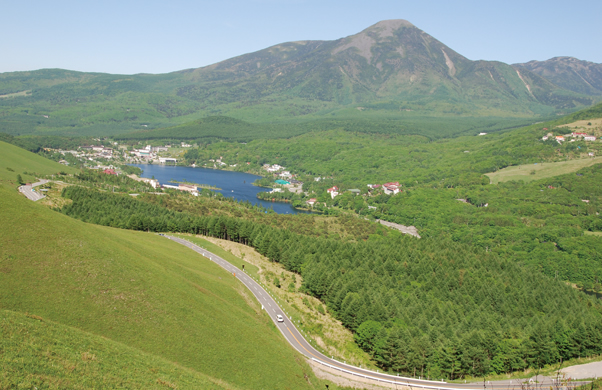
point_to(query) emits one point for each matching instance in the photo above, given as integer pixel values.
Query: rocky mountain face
(569, 73)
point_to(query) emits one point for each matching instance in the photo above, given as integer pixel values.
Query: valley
(154, 226)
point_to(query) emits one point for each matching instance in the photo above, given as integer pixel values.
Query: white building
(334, 191)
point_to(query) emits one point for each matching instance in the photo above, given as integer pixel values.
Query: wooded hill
(429, 307)
(540, 224)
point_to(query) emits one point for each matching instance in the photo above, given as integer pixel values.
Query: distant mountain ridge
(570, 73)
(389, 70)
(390, 61)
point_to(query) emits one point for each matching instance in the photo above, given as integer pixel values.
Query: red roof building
(334, 191)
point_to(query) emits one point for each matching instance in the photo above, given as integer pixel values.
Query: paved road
(30, 193)
(298, 341)
(589, 370)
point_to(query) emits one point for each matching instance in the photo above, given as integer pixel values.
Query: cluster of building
(85, 152)
(150, 153)
(97, 151)
(391, 188)
(220, 162)
(574, 136)
(278, 170)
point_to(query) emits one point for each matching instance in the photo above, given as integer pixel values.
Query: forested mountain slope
(390, 70)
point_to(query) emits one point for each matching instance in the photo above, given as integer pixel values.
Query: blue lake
(236, 185)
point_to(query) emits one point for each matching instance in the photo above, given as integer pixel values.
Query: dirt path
(411, 230)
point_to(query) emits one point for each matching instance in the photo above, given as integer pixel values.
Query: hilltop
(389, 71)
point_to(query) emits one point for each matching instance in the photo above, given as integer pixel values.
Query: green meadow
(16, 161)
(142, 291)
(37, 353)
(531, 172)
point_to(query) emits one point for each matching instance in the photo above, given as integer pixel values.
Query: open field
(541, 170)
(16, 161)
(143, 291)
(588, 233)
(591, 126)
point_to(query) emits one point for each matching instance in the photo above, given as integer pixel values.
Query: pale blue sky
(154, 36)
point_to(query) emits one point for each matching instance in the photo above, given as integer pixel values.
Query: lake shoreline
(233, 184)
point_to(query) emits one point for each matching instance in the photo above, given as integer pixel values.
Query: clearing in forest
(590, 126)
(538, 171)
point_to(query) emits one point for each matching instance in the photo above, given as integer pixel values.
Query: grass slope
(143, 291)
(14, 161)
(37, 353)
(529, 173)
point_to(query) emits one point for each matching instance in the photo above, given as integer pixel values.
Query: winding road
(298, 341)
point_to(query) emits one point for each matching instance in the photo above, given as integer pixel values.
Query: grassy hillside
(142, 291)
(541, 171)
(16, 161)
(37, 353)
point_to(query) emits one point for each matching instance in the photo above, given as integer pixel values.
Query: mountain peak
(366, 39)
(385, 28)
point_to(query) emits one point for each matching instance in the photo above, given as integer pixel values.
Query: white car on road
(279, 318)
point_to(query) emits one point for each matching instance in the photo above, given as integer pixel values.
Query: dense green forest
(218, 128)
(429, 307)
(540, 224)
(356, 159)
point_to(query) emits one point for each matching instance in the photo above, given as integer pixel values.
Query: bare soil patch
(22, 93)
